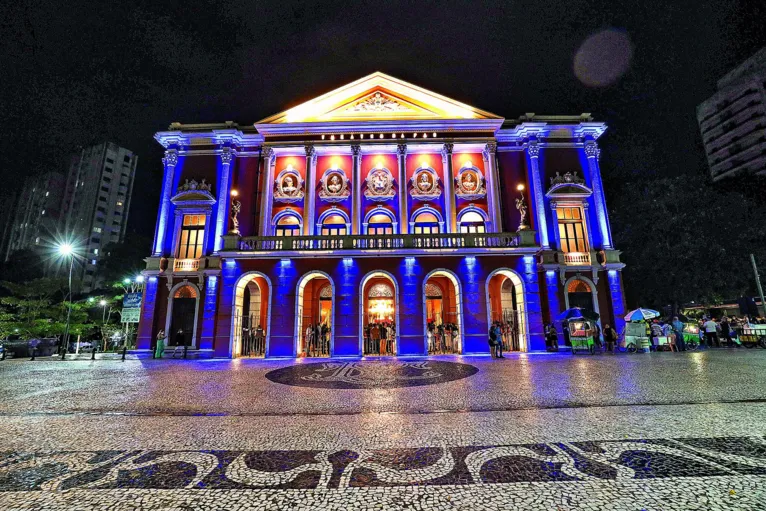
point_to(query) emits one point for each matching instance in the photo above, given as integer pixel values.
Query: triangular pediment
(378, 97)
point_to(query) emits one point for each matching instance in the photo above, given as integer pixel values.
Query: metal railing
(186, 265)
(380, 242)
(577, 258)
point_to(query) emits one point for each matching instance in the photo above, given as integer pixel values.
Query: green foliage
(684, 239)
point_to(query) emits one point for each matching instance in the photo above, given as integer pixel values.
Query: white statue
(335, 184)
(287, 186)
(424, 184)
(468, 183)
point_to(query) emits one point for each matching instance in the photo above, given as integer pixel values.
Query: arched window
(334, 225)
(426, 223)
(471, 222)
(288, 225)
(380, 223)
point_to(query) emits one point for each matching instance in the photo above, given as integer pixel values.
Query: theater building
(378, 202)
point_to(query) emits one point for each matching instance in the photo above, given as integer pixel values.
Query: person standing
(499, 341)
(610, 337)
(160, 348)
(180, 338)
(492, 341)
(678, 331)
(711, 332)
(726, 332)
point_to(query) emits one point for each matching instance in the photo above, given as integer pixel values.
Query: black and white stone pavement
(664, 431)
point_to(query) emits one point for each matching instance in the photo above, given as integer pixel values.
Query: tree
(684, 240)
(22, 265)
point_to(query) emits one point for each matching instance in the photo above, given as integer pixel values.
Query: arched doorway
(506, 305)
(379, 314)
(443, 312)
(251, 316)
(314, 315)
(581, 292)
(181, 320)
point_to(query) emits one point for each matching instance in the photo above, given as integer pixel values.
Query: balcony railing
(577, 258)
(186, 265)
(382, 242)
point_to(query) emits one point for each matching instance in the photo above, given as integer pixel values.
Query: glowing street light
(140, 279)
(67, 250)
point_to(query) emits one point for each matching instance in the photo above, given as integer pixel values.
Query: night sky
(77, 73)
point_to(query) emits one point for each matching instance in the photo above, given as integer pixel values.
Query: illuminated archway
(456, 343)
(182, 291)
(238, 322)
(521, 318)
(316, 312)
(587, 286)
(363, 299)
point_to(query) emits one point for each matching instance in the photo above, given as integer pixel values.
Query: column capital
(401, 149)
(171, 158)
(591, 149)
(533, 148)
(356, 150)
(447, 149)
(226, 155)
(267, 152)
(310, 151)
(490, 148)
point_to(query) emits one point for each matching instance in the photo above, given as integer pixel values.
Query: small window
(126, 159)
(95, 240)
(334, 225)
(97, 229)
(109, 160)
(107, 179)
(119, 203)
(104, 188)
(192, 237)
(472, 222)
(101, 209)
(426, 223)
(102, 199)
(288, 225)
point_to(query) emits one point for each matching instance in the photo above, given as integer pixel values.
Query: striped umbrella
(641, 314)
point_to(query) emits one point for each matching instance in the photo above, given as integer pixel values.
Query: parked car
(23, 348)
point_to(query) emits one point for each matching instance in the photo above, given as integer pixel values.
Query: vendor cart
(751, 336)
(581, 336)
(635, 338)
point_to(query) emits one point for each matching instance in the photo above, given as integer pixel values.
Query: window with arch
(380, 223)
(334, 225)
(571, 229)
(472, 222)
(288, 225)
(426, 223)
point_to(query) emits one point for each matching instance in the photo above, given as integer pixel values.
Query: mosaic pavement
(674, 443)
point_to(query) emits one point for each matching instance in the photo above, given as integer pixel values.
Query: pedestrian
(711, 332)
(597, 335)
(655, 332)
(180, 339)
(726, 332)
(610, 337)
(499, 340)
(492, 341)
(551, 337)
(567, 339)
(159, 350)
(678, 331)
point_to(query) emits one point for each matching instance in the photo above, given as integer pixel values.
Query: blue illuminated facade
(378, 203)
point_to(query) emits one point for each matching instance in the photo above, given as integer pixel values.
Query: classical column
(541, 223)
(209, 311)
(404, 217)
(269, 162)
(493, 186)
(356, 204)
(592, 152)
(222, 216)
(308, 216)
(169, 161)
(449, 184)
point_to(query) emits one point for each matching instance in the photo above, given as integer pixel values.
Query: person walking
(551, 337)
(159, 349)
(711, 333)
(678, 331)
(179, 339)
(499, 340)
(492, 341)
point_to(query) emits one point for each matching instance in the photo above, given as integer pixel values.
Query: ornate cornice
(356, 150)
(447, 149)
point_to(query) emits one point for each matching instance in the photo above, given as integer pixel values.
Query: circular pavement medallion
(371, 374)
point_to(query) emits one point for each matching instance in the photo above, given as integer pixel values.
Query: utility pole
(758, 282)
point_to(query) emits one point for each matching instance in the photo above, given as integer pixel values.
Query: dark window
(95, 240)
(101, 209)
(102, 199)
(126, 159)
(109, 160)
(117, 213)
(104, 188)
(108, 169)
(107, 179)
(89, 272)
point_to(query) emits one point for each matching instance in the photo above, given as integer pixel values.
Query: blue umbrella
(641, 314)
(575, 313)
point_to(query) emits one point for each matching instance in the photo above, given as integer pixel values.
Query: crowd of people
(380, 338)
(316, 341)
(442, 338)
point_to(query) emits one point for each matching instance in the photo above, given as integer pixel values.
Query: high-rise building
(96, 203)
(36, 217)
(379, 219)
(733, 121)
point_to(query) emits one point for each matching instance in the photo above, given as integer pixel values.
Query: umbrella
(575, 313)
(641, 314)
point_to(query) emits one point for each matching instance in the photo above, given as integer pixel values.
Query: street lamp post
(66, 250)
(103, 303)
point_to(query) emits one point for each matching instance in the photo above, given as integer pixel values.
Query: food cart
(635, 338)
(581, 335)
(691, 335)
(752, 335)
